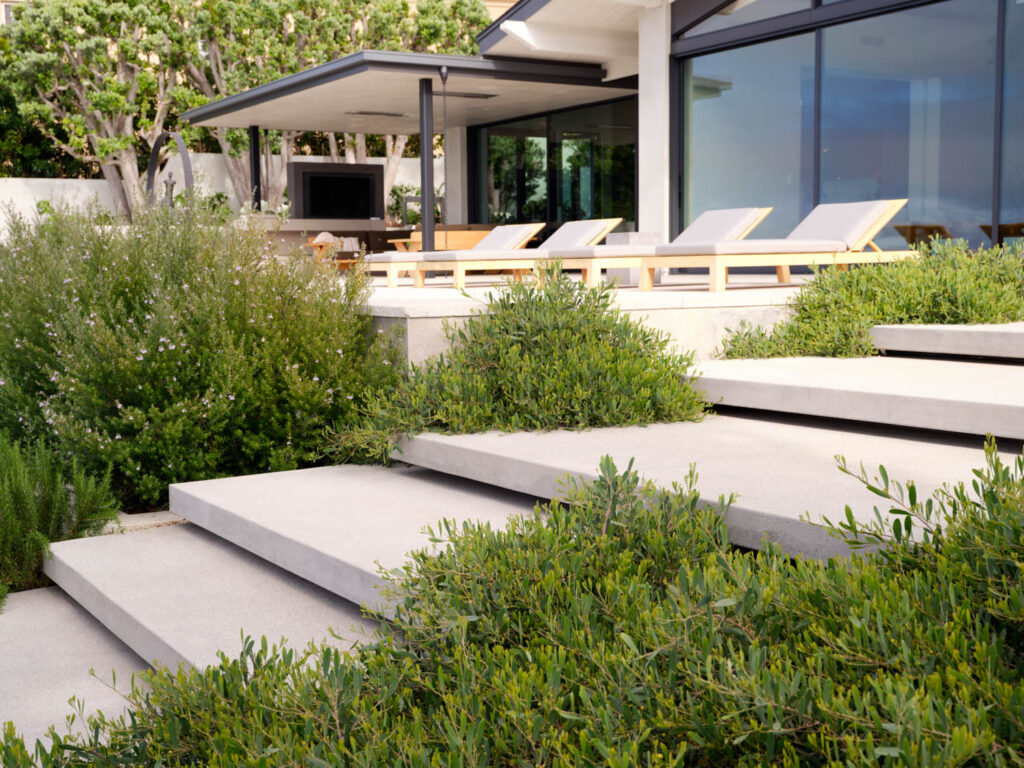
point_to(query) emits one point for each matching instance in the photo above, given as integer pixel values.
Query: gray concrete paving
(780, 470)
(338, 526)
(949, 395)
(178, 594)
(50, 644)
(1005, 340)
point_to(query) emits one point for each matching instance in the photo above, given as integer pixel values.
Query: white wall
(21, 196)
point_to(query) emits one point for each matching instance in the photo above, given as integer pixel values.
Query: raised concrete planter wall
(694, 320)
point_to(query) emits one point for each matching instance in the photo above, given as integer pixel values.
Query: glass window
(515, 188)
(749, 132)
(577, 164)
(594, 152)
(746, 11)
(908, 110)
(1012, 214)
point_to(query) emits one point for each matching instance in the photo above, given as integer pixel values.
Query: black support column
(254, 167)
(427, 161)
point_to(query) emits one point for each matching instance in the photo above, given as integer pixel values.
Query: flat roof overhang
(378, 92)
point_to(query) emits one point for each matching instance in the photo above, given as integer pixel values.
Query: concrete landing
(179, 594)
(49, 645)
(1002, 341)
(338, 526)
(779, 469)
(952, 396)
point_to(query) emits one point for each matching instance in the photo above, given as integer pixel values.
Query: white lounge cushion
(576, 234)
(505, 237)
(840, 221)
(605, 251)
(751, 247)
(393, 257)
(722, 224)
(525, 255)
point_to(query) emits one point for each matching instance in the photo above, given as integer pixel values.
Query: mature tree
(239, 45)
(96, 77)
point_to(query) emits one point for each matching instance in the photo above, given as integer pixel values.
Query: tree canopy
(102, 80)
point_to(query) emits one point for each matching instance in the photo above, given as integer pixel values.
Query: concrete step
(948, 395)
(338, 526)
(780, 469)
(178, 594)
(50, 646)
(1003, 341)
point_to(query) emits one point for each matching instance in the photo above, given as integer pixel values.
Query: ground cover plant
(949, 283)
(43, 499)
(176, 348)
(547, 355)
(619, 629)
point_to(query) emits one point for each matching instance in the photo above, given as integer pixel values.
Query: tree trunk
(332, 142)
(395, 149)
(113, 179)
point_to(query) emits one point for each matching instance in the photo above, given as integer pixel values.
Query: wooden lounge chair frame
(591, 267)
(719, 264)
(519, 266)
(392, 269)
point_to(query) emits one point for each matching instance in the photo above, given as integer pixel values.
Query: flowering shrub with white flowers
(177, 348)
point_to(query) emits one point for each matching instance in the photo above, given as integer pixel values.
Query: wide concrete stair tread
(1002, 340)
(780, 470)
(50, 644)
(339, 526)
(179, 594)
(974, 398)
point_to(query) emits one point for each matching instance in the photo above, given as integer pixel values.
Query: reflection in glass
(577, 164)
(1011, 217)
(903, 116)
(594, 152)
(517, 171)
(749, 132)
(746, 11)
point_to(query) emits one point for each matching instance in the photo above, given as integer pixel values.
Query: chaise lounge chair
(573, 234)
(711, 226)
(832, 234)
(507, 237)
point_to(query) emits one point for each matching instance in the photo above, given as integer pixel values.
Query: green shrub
(544, 356)
(177, 348)
(833, 316)
(619, 629)
(43, 499)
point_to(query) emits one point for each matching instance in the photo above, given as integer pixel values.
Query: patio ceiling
(378, 92)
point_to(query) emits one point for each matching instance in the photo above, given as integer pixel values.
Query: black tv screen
(340, 197)
(336, 190)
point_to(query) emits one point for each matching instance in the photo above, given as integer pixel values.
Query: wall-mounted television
(336, 190)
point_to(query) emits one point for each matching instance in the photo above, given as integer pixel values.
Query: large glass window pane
(746, 11)
(749, 132)
(908, 110)
(594, 154)
(1012, 214)
(515, 184)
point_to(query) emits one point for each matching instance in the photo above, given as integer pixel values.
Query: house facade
(656, 111)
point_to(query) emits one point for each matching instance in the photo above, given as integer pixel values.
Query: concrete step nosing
(313, 564)
(135, 634)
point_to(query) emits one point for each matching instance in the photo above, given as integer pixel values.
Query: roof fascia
(521, 11)
(567, 73)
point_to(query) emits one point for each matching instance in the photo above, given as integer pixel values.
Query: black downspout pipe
(427, 161)
(254, 167)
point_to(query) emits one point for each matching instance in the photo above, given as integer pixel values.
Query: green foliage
(43, 499)
(619, 629)
(833, 316)
(177, 348)
(544, 356)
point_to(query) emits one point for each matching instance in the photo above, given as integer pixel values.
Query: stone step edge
(748, 527)
(351, 582)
